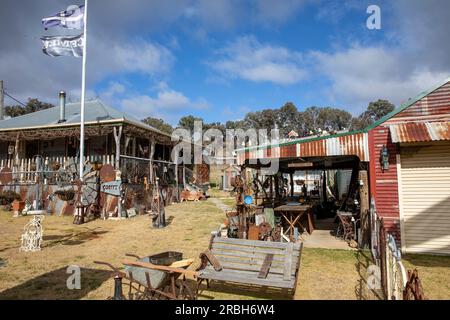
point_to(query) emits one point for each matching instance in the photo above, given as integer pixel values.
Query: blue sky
(220, 59)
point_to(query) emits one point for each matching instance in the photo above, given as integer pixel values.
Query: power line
(7, 94)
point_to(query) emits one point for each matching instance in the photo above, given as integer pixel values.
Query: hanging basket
(65, 195)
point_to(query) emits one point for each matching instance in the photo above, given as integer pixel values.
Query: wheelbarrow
(156, 277)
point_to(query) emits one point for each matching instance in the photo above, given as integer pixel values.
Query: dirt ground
(324, 274)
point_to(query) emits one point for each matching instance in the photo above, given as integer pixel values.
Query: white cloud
(166, 103)
(114, 57)
(363, 74)
(114, 89)
(278, 11)
(251, 60)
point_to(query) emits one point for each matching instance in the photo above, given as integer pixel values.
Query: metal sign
(113, 188)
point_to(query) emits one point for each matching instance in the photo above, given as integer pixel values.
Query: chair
(345, 229)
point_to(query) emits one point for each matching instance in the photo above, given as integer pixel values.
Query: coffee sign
(112, 188)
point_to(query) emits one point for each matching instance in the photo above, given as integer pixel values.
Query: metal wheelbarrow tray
(154, 277)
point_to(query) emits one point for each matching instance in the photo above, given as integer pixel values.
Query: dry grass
(42, 274)
(324, 274)
(434, 273)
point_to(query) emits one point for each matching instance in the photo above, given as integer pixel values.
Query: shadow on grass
(2, 262)
(362, 290)
(169, 220)
(75, 238)
(253, 292)
(52, 286)
(426, 260)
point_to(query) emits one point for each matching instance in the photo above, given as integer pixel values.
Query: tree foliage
(159, 124)
(32, 105)
(375, 111)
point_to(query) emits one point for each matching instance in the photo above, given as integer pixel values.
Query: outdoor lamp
(384, 158)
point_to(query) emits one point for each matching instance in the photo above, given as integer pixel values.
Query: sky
(219, 59)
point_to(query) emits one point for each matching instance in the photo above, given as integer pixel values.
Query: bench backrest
(249, 255)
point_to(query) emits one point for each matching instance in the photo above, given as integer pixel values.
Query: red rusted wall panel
(313, 148)
(434, 105)
(288, 151)
(386, 183)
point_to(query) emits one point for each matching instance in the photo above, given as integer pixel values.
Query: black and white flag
(55, 46)
(71, 18)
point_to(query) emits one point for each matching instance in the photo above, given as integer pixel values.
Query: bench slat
(254, 243)
(247, 267)
(243, 263)
(288, 261)
(238, 277)
(252, 249)
(266, 266)
(253, 256)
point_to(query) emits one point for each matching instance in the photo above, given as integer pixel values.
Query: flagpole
(83, 91)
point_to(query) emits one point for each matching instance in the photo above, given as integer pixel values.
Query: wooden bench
(251, 262)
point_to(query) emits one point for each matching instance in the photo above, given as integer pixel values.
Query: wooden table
(293, 215)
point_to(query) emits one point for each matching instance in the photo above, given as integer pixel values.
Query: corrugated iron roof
(96, 112)
(344, 145)
(404, 106)
(420, 131)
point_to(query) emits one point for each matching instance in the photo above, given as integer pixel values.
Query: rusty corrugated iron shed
(420, 131)
(351, 144)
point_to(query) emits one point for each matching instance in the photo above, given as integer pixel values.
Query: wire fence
(391, 276)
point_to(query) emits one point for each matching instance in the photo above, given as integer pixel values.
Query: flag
(63, 45)
(72, 18)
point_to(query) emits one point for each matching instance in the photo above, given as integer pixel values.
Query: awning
(420, 131)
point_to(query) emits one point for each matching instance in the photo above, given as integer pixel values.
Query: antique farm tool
(158, 211)
(157, 277)
(413, 289)
(87, 202)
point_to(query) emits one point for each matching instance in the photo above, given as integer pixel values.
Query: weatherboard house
(40, 150)
(404, 159)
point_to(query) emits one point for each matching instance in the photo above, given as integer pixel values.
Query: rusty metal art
(413, 289)
(147, 279)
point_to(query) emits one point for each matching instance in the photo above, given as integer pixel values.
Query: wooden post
(127, 142)
(133, 144)
(271, 187)
(2, 101)
(176, 177)
(117, 136)
(151, 155)
(291, 176)
(16, 150)
(364, 207)
(256, 193)
(277, 187)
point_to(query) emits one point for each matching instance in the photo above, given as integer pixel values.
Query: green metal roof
(391, 114)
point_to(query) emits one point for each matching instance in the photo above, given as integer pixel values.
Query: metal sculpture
(413, 289)
(88, 191)
(32, 237)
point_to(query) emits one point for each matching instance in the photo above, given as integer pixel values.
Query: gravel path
(222, 206)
